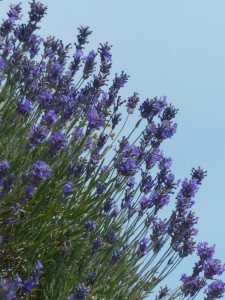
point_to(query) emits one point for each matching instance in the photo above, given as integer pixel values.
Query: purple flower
(146, 183)
(95, 118)
(90, 278)
(152, 158)
(97, 244)
(18, 279)
(37, 134)
(100, 187)
(37, 272)
(215, 290)
(143, 246)
(81, 292)
(204, 251)
(4, 168)
(7, 289)
(144, 203)
(198, 174)
(45, 99)
(89, 64)
(3, 64)
(68, 187)
(159, 226)
(37, 12)
(189, 188)
(24, 107)
(90, 225)
(57, 142)
(77, 169)
(119, 81)
(111, 237)
(14, 13)
(169, 113)
(116, 210)
(132, 103)
(149, 133)
(41, 171)
(88, 144)
(131, 182)
(116, 254)
(160, 200)
(127, 166)
(129, 195)
(55, 73)
(159, 230)
(7, 184)
(191, 285)
(186, 194)
(28, 285)
(78, 53)
(163, 293)
(213, 267)
(116, 119)
(165, 163)
(50, 118)
(182, 231)
(165, 130)
(78, 133)
(108, 206)
(151, 108)
(102, 139)
(75, 65)
(84, 32)
(29, 191)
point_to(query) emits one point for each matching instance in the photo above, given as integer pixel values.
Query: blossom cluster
(75, 194)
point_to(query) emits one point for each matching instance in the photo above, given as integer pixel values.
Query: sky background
(174, 48)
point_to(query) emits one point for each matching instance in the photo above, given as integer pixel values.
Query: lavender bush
(82, 206)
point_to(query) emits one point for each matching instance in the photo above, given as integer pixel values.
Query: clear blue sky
(174, 48)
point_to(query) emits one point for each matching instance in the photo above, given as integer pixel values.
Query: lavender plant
(83, 209)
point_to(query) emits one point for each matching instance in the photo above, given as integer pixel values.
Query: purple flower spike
(204, 251)
(41, 171)
(37, 272)
(111, 237)
(95, 118)
(90, 225)
(215, 290)
(132, 103)
(24, 107)
(144, 203)
(14, 13)
(50, 118)
(68, 187)
(151, 108)
(97, 244)
(213, 267)
(18, 279)
(57, 142)
(37, 134)
(116, 210)
(37, 12)
(116, 254)
(7, 289)
(4, 168)
(29, 191)
(28, 285)
(90, 63)
(143, 246)
(131, 182)
(81, 292)
(191, 285)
